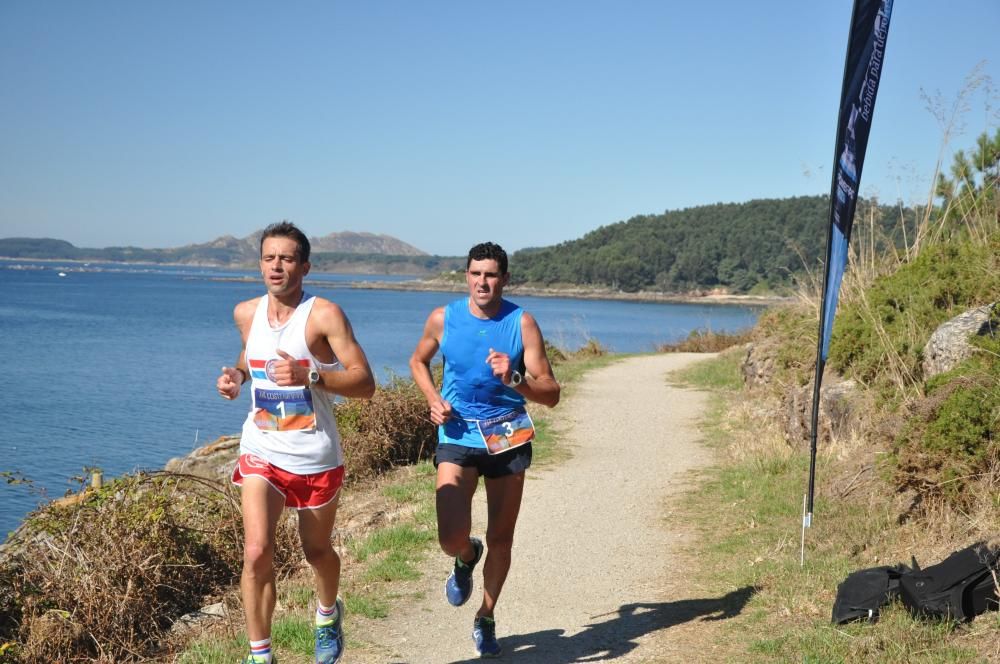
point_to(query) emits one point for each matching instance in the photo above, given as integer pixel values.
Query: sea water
(114, 366)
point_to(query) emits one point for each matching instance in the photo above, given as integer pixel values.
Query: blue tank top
(469, 384)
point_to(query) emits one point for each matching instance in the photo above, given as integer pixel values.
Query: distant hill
(759, 245)
(363, 252)
(348, 242)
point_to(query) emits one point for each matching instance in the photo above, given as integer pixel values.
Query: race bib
(284, 410)
(506, 432)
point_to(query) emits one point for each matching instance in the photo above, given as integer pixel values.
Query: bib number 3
(506, 432)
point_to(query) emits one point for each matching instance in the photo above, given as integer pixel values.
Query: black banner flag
(862, 71)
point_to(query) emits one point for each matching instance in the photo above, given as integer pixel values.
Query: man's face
(485, 282)
(279, 263)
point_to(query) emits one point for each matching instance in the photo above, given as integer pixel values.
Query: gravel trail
(597, 573)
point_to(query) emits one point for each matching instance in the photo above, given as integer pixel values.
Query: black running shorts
(489, 465)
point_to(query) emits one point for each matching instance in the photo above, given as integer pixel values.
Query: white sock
(325, 614)
(261, 650)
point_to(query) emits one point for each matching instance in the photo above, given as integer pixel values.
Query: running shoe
(458, 588)
(253, 659)
(484, 633)
(330, 638)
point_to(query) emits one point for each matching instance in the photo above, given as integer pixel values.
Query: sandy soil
(598, 572)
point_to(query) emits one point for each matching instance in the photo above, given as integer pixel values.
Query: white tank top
(293, 428)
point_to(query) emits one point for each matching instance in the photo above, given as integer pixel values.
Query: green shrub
(878, 338)
(953, 435)
(789, 332)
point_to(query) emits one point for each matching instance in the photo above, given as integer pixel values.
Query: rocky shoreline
(580, 293)
(438, 284)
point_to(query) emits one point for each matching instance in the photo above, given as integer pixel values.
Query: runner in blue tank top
(494, 360)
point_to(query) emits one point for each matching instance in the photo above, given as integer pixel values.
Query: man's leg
(455, 488)
(315, 528)
(503, 499)
(262, 505)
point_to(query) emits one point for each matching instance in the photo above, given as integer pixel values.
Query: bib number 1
(284, 410)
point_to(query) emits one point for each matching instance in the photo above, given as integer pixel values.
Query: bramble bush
(104, 577)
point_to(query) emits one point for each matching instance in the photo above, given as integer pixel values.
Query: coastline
(579, 293)
(449, 286)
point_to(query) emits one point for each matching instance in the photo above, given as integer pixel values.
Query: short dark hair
(291, 231)
(487, 251)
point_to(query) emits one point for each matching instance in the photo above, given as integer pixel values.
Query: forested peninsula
(756, 247)
(760, 247)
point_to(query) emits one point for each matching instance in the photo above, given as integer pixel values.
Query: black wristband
(245, 376)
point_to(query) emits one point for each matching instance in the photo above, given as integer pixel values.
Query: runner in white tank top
(300, 352)
(292, 428)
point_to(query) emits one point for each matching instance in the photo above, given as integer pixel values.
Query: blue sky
(449, 123)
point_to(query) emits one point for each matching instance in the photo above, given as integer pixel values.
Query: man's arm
(420, 366)
(356, 379)
(539, 384)
(232, 378)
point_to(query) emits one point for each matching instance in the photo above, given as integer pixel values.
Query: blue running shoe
(458, 588)
(484, 633)
(330, 638)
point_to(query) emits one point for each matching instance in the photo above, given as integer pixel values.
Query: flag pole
(862, 71)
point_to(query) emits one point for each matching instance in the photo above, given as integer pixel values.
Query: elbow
(554, 398)
(415, 364)
(369, 387)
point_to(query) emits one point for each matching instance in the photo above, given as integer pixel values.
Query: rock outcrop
(838, 410)
(213, 461)
(949, 345)
(838, 406)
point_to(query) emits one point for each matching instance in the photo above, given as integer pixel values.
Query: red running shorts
(303, 492)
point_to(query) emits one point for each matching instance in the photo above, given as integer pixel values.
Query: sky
(444, 124)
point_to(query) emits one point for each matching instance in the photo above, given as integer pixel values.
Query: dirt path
(597, 573)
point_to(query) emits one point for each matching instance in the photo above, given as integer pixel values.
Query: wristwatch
(516, 378)
(313, 377)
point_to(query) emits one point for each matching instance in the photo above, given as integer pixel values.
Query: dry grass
(390, 429)
(103, 579)
(706, 341)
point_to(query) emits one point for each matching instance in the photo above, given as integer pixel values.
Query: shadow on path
(617, 636)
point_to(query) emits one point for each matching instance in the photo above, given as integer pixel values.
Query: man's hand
(440, 411)
(500, 363)
(287, 371)
(229, 383)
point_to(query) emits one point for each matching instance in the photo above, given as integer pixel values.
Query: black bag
(863, 593)
(960, 587)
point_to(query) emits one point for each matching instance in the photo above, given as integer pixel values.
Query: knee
(258, 558)
(452, 543)
(318, 554)
(499, 543)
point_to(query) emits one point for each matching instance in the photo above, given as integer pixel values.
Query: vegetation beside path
(914, 471)
(746, 512)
